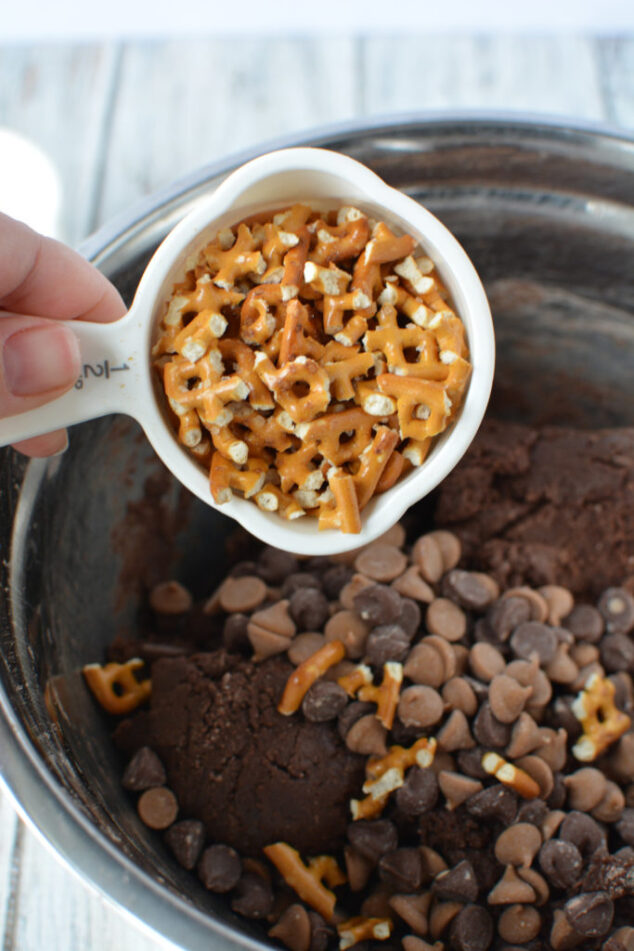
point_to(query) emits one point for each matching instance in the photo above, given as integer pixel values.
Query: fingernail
(40, 359)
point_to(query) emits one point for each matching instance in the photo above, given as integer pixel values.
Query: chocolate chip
(378, 604)
(530, 638)
(253, 896)
(489, 731)
(519, 923)
(616, 606)
(324, 701)
(533, 811)
(467, 589)
(350, 714)
(387, 642)
(157, 807)
(410, 617)
(309, 609)
(584, 832)
(558, 795)
(402, 869)
(505, 614)
(625, 826)
(234, 634)
(219, 868)
(495, 802)
(334, 579)
(471, 929)
(561, 863)
(300, 579)
(470, 763)
(590, 914)
(242, 568)
(186, 840)
(586, 623)
(617, 653)
(274, 565)
(373, 838)
(144, 771)
(457, 884)
(321, 933)
(293, 928)
(419, 792)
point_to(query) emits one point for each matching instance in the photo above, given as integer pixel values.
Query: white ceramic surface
(117, 376)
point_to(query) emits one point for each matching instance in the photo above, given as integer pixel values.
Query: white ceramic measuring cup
(117, 375)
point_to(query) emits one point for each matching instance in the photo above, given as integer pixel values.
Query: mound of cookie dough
(548, 506)
(249, 774)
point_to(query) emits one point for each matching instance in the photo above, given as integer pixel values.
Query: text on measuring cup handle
(103, 370)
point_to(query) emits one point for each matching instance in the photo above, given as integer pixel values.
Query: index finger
(44, 277)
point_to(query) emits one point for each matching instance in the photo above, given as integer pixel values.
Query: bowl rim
(43, 804)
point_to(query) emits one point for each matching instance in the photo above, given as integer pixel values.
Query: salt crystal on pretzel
(225, 477)
(358, 929)
(284, 382)
(306, 880)
(305, 675)
(130, 692)
(602, 721)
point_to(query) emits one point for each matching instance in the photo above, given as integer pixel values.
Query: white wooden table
(120, 120)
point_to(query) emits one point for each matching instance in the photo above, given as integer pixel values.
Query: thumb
(39, 360)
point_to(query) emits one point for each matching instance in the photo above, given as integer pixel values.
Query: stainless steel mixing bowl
(546, 213)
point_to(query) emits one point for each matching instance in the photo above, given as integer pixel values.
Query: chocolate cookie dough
(545, 507)
(251, 775)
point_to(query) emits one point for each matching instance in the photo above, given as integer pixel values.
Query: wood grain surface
(121, 120)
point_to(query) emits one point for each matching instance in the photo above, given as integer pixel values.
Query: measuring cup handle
(109, 380)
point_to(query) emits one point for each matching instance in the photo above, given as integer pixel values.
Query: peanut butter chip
(537, 604)
(446, 619)
(358, 868)
(427, 554)
(525, 737)
(242, 594)
(559, 600)
(538, 770)
(458, 694)
(562, 668)
(486, 661)
(511, 889)
(367, 736)
(157, 807)
(507, 698)
(304, 646)
(537, 882)
(450, 548)
(350, 629)
(381, 562)
(411, 585)
(518, 845)
(553, 747)
(413, 909)
(170, 597)
(266, 643)
(455, 733)
(424, 665)
(519, 924)
(457, 788)
(586, 788)
(276, 619)
(612, 804)
(420, 707)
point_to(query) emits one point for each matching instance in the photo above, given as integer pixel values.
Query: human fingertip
(44, 447)
(40, 359)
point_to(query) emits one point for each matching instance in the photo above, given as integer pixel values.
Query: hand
(41, 283)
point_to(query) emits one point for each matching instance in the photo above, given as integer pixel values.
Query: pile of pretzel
(309, 360)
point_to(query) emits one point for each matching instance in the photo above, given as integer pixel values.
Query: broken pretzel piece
(358, 929)
(304, 676)
(307, 880)
(510, 775)
(386, 696)
(602, 721)
(387, 773)
(115, 686)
